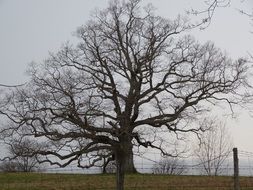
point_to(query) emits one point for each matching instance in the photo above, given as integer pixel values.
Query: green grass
(40, 181)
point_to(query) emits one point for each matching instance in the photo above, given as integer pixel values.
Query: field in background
(42, 181)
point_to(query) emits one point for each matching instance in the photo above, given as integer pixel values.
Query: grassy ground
(36, 181)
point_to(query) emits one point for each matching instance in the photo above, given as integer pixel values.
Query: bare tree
(170, 165)
(21, 156)
(132, 73)
(109, 166)
(9, 166)
(215, 147)
(108, 163)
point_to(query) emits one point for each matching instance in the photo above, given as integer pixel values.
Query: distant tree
(9, 166)
(110, 167)
(132, 72)
(21, 157)
(108, 163)
(170, 165)
(215, 147)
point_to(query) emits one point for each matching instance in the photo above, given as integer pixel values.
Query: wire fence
(194, 175)
(145, 164)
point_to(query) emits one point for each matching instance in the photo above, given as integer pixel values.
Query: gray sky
(29, 29)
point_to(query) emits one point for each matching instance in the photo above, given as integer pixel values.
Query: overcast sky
(29, 29)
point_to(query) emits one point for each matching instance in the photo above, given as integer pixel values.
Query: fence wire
(193, 177)
(145, 164)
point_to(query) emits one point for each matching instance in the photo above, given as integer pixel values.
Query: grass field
(37, 181)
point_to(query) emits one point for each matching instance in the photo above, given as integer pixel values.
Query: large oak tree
(132, 72)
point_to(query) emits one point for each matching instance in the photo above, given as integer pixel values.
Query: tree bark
(124, 161)
(128, 157)
(120, 173)
(126, 147)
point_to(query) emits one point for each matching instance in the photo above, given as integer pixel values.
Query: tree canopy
(131, 72)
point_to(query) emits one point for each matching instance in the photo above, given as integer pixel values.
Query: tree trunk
(104, 166)
(124, 161)
(120, 172)
(128, 157)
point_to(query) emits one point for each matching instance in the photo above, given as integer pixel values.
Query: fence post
(236, 169)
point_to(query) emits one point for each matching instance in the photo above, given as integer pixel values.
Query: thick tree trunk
(120, 172)
(124, 161)
(128, 157)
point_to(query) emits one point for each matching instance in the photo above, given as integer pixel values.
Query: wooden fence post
(236, 169)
